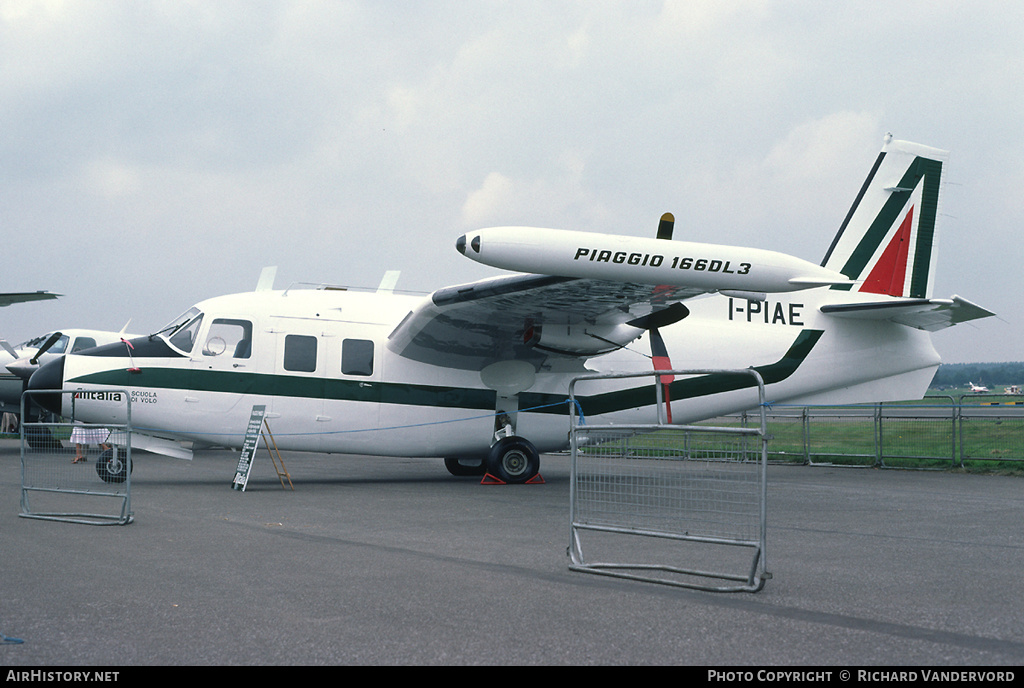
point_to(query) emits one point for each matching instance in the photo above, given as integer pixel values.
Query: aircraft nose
(49, 376)
(23, 368)
(460, 244)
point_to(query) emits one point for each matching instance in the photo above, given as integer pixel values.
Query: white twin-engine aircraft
(19, 362)
(478, 373)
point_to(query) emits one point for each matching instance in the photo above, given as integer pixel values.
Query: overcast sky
(154, 154)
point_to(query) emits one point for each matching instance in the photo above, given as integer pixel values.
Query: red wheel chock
(491, 480)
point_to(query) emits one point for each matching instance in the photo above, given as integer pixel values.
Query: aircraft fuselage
(319, 361)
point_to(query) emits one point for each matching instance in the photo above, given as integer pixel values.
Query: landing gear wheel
(112, 467)
(465, 467)
(513, 460)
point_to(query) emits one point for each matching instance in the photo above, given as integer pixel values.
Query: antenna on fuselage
(266, 280)
(388, 281)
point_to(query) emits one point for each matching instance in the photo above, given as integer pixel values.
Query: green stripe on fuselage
(259, 384)
(687, 388)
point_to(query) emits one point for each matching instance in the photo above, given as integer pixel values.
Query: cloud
(490, 201)
(337, 139)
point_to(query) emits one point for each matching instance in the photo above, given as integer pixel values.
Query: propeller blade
(666, 225)
(45, 347)
(661, 318)
(659, 355)
(8, 348)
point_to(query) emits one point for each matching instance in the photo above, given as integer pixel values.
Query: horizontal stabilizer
(923, 314)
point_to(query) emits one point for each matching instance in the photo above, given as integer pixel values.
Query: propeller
(659, 352)
(50, 341)
(667, 316)
(660, 358)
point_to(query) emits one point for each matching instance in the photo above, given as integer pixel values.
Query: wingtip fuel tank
(613, 257)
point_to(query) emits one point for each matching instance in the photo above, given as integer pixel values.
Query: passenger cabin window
(300, 353)
(230, 338)
(83, 343)
(357, 357)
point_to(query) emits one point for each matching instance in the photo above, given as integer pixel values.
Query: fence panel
(76, 472)
(991, 429)
(918, 435)
(680, 505)
(845, 435)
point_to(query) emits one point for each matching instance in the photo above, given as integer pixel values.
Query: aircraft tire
(464, 469)
(110, 470)
(513, 460)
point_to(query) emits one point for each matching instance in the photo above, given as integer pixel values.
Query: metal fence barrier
(940, 432)
(674, 504)
(76, 472)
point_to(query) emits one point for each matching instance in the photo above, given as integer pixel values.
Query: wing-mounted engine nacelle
(582, 339)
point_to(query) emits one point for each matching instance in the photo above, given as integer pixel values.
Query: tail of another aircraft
(887, 241)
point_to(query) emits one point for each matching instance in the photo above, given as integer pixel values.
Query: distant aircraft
(19, 362)
(977, 389)
(22, 296)
(478, 373)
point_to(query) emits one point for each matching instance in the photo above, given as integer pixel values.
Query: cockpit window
(184, 319)
(185, 337)
(181, 332)
(60, 346)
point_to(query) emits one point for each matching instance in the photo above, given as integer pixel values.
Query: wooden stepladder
(282, 472)
(253, 433)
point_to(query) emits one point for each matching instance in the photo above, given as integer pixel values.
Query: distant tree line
(990, 375)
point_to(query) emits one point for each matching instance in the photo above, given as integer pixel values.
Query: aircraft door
(296, 411)
(328, 391)
(223, 379)
(353, 397)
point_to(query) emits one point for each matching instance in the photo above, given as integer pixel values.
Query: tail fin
(887, 241)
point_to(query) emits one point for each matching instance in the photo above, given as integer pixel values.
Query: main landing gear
(512, 460)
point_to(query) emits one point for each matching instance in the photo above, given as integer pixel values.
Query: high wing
(534, 318)
(22, 296)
